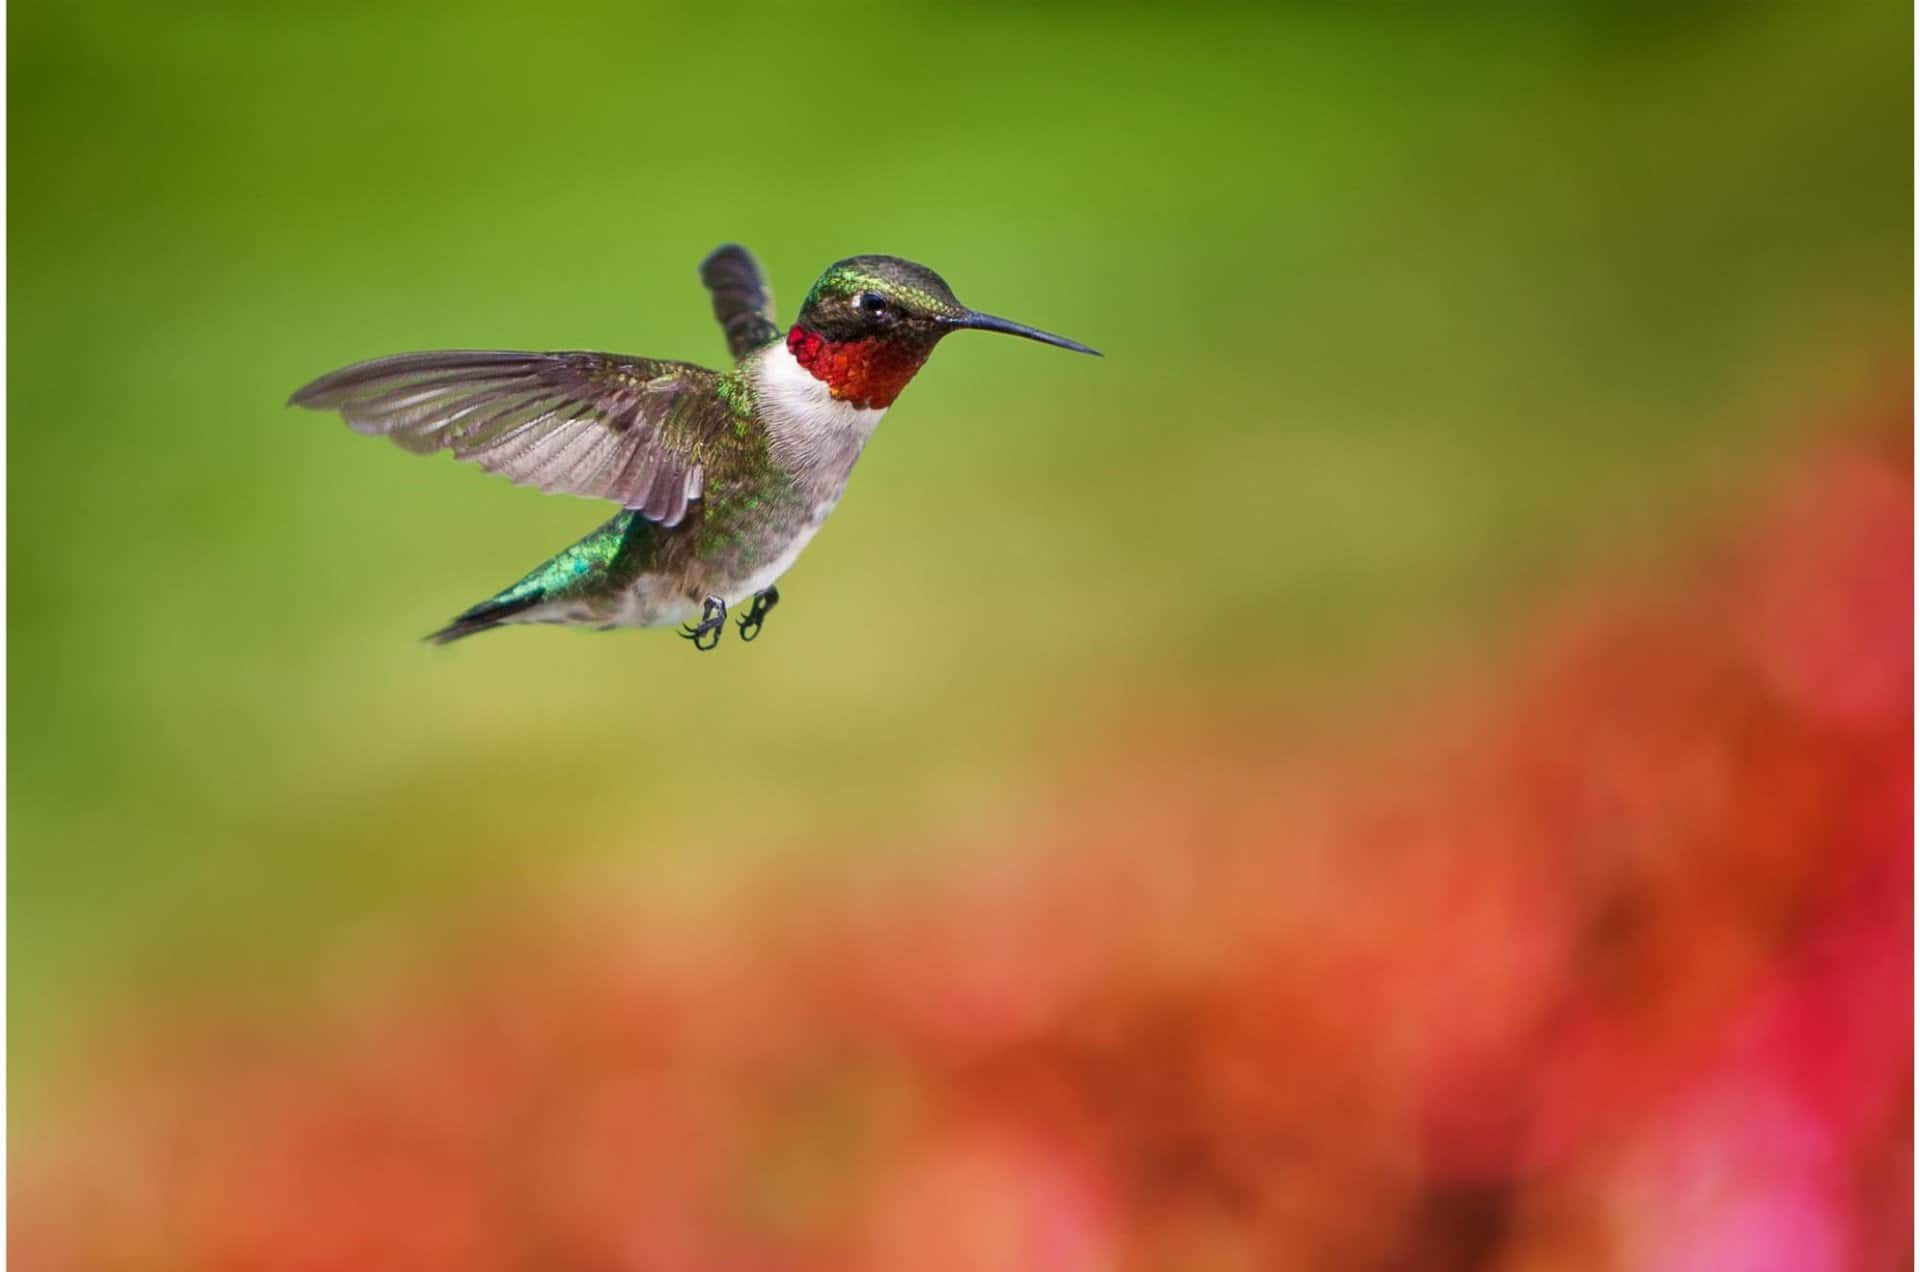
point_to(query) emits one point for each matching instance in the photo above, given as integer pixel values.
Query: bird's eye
(873, 302)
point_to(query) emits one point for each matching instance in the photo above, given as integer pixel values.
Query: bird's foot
(763, 603)
(713, 620)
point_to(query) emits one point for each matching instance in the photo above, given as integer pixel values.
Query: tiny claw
(751, 621)
(713, 620)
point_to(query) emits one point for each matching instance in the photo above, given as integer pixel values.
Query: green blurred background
(1407, 316)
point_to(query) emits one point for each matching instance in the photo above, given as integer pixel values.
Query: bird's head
(870, 322)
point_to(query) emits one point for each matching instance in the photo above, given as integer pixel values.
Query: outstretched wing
(634, 430)
(742, 301)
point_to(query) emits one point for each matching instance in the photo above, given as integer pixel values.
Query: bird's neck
(868, 374)
(810, 429)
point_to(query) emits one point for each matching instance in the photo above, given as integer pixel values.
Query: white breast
(815, 436)
(801, 413)
(769, 574)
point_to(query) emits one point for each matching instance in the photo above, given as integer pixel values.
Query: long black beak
(987, 322)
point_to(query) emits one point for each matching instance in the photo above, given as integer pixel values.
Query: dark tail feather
(583, 570)
(484, 617)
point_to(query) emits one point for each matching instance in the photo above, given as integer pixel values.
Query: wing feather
(742, 300)
(593, 424)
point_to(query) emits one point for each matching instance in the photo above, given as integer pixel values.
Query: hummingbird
(722, 477)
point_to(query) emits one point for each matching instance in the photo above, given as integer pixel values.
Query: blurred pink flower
(1611, 966)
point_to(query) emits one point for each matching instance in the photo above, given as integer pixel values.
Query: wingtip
(312, 393)
(724, 250)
